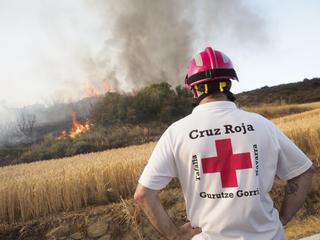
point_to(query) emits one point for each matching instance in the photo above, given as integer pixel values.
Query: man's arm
(296, 192)
(149, 202)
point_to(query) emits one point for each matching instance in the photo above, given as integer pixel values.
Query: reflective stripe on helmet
(222, 85)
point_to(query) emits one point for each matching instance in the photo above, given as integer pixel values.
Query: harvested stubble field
(30, 191)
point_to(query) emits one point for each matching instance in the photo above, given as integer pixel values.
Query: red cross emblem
(226, 163)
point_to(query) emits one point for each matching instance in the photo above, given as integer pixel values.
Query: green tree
(113, 109)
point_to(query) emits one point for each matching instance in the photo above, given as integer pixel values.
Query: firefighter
(226, 160)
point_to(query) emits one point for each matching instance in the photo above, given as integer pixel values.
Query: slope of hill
(299, 92)
(118, 119)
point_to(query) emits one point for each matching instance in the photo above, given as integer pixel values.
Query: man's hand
(186, 232)
(148, 201)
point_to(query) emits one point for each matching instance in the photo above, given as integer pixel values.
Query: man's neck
(220, 97)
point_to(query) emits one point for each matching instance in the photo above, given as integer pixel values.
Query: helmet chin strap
(230, 95)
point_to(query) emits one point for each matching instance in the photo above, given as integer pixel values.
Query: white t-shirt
(226, 160)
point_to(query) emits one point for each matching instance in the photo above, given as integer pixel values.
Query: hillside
(299, 92)
(122, 119)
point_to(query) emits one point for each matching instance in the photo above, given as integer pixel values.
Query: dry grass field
(304, 130)
(276, 111)
(29, 191)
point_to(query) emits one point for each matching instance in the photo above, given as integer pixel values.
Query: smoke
(155, 40)
(143, 42)
(232, 23)
(53, 52)
(60, 50)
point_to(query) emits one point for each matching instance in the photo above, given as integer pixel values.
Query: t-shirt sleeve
(292, 161)
(161, 167)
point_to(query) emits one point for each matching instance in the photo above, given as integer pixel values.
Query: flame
(91, 92)
(77, 128)
(106, 86)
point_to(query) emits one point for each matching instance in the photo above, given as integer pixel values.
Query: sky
(54, 51)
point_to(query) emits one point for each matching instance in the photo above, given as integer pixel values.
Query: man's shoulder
(178, 126)
(181, 122)
(253, 115)
(259, 120)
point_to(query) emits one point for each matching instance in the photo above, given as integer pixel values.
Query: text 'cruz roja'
(227, 129)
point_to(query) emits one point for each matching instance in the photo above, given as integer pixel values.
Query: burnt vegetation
(121, 120)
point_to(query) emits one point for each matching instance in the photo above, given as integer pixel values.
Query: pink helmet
(209, 65)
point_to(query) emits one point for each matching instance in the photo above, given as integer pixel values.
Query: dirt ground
(120, 221)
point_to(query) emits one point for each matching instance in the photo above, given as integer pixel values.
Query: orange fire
(106, 86)
(97, 91)
(92, 92)
(77, 128)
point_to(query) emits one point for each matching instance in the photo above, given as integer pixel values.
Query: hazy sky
(54, 50)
